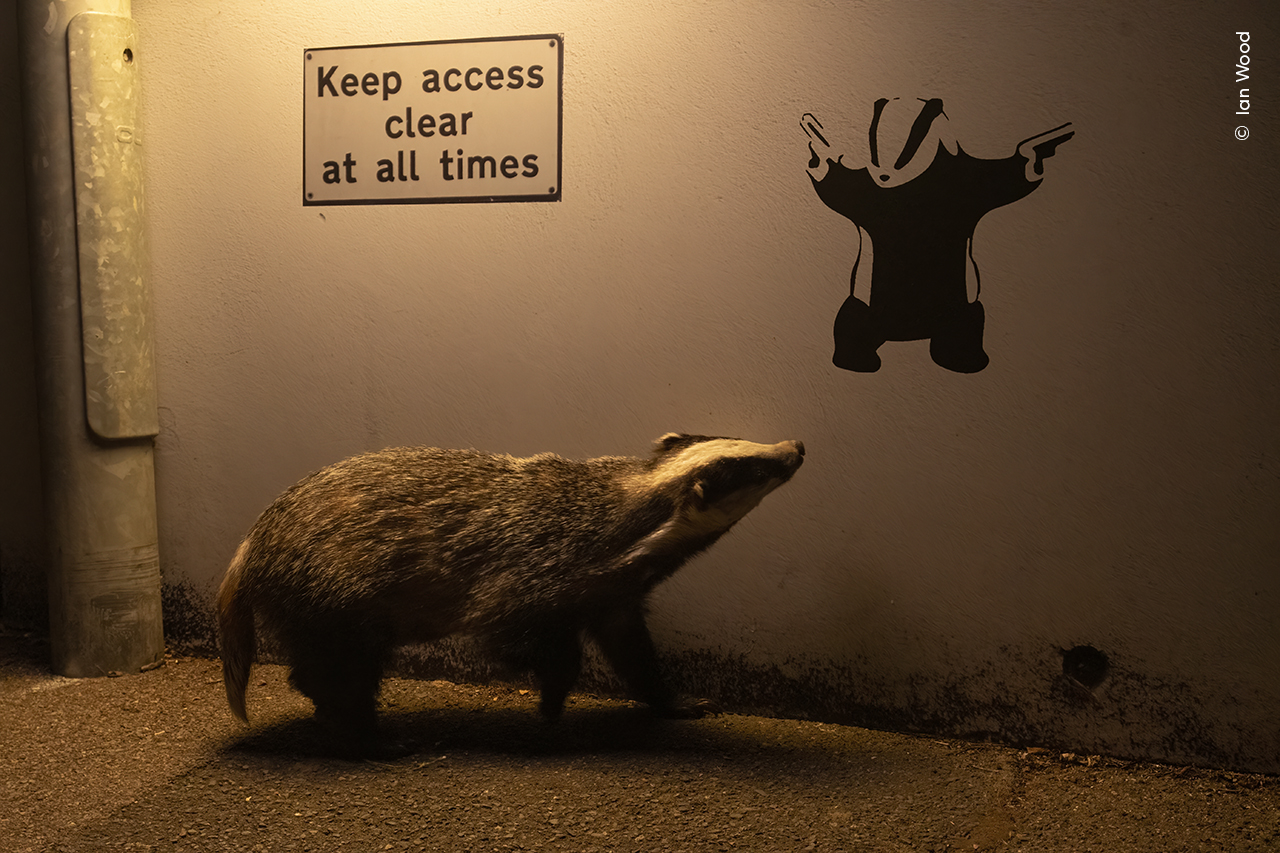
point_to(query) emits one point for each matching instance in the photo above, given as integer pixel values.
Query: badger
(410, 545)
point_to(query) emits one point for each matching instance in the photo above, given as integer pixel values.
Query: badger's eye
(729, 476)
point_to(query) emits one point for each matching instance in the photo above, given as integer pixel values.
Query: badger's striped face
(726, 477)
(717, 482)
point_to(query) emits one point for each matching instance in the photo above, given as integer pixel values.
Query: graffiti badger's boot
(958, 344)
(857, 338)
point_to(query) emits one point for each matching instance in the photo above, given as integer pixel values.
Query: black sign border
(547, 197)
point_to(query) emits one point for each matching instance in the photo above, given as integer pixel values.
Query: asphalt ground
(155, 762)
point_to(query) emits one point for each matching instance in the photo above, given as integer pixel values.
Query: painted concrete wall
(1109, 481)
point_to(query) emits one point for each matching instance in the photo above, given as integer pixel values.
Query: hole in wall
(128, 55)
(1085, 665)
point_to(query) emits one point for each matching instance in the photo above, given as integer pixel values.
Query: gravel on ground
(155, 761)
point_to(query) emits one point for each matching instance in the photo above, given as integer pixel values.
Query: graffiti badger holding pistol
(414, 544)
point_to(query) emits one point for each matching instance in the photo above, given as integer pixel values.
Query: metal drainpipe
(95, 357)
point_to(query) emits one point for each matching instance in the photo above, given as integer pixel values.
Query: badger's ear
(669, 441)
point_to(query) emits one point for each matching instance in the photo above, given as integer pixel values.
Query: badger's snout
(792, 454)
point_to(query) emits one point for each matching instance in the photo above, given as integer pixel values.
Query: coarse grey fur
(414, 544)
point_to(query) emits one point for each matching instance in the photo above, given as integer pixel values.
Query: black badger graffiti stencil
(918, 200)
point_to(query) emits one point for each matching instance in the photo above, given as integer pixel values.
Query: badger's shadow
(502, 731)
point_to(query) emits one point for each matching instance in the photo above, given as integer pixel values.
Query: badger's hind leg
(339, 667)
(624, 640)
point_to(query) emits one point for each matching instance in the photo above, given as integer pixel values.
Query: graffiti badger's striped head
(905, 136)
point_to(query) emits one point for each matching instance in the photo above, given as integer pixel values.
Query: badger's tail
(235, 618)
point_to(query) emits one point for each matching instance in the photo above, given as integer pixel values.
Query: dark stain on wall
(1083, 704)
(1160, 720)
(190, 621)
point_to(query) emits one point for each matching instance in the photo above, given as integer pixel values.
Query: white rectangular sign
(444, 121)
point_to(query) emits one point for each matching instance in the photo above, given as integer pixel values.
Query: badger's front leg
(556, 661)
(624, 640)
